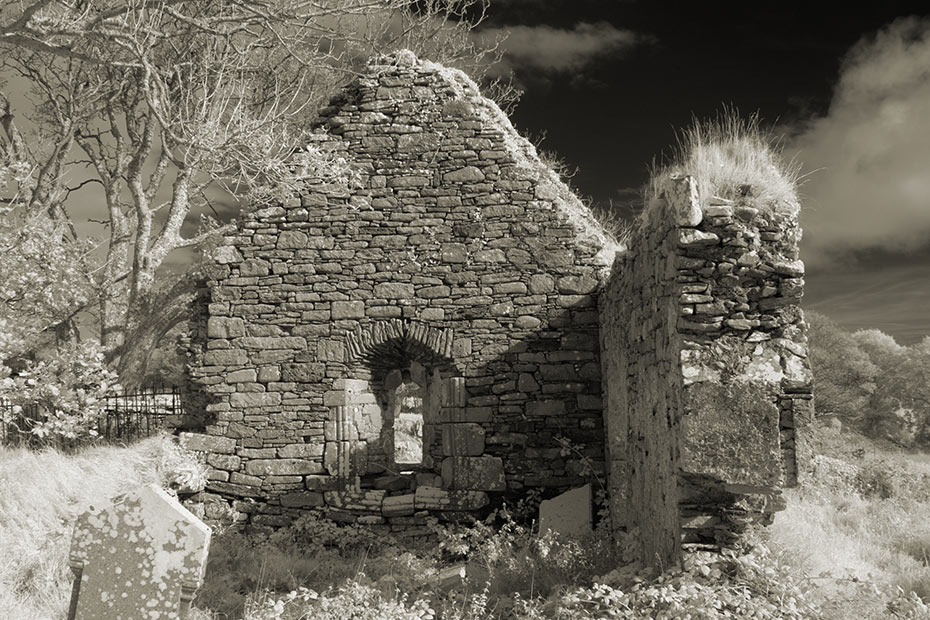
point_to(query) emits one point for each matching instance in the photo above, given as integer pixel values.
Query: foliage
(732, 158)
(709, 587)
(844, 376)
(507, 554)
(900, 406)
(354, 600)
(43, 281)
(312, 551)
(68, 388)
(868, 379)
(856, 532)
(43, 286)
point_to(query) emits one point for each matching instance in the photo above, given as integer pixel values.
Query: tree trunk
(114, 291)
(154, 323)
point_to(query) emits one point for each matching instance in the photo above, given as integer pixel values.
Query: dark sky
(608, 82)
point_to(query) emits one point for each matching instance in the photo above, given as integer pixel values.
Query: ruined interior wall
(454, 250)
(642, 388)
(708, 297)
(747, 381)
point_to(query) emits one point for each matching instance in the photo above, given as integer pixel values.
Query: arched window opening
(408, 424)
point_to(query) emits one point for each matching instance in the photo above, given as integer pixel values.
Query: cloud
(555, 50)
(871, 152)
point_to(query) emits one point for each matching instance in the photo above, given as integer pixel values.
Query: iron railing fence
(126, 416)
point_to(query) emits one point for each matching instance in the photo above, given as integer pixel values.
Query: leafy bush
(68, 387)
(844, 376)
(354, 600)
(708, 587)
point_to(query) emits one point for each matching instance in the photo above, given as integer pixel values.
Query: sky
(846, 90)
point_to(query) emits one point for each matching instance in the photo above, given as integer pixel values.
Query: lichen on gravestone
(142, 556)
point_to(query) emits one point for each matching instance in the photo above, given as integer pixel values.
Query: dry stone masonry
(442, 308)
(710, 388)
(426, 333)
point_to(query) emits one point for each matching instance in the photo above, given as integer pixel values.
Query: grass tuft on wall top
(733, 159)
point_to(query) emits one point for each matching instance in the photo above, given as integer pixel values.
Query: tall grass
(854, 542)
(732, 158)
(41, 495)
(859, 530)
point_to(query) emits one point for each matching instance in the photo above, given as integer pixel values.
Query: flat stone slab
(142, 557)
(568, 514)
(474, 473)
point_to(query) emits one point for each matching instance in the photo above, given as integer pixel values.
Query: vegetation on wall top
(733, 159)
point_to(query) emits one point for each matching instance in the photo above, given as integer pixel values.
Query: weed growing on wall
(732, 158)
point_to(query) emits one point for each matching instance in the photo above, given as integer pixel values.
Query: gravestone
(142, 557)
(568, 514)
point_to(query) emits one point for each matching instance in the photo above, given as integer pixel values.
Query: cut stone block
(434, 498)
(348, 309)
(448, 415)
(478, 473)
(282, 467)
(199, 442)
(398, 505)
(568, 514)
(302, 451)
(225, 327)
(356, 500)
(302, 499)
(142, 557)
(453, 392)
(462, 439)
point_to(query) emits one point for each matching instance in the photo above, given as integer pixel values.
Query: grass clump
(732, 158)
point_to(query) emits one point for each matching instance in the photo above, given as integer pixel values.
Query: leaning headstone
(568, 514)
(142, 557)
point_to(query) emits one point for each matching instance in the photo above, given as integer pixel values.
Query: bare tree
(159, 101)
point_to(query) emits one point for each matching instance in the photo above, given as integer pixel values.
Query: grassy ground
(859, 531)
(854, 542)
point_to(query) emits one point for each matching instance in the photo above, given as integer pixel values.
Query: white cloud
(872, 149)
(554, 50)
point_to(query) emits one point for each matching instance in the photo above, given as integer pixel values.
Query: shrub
(708, 587)
(359, 601)
(68, 388)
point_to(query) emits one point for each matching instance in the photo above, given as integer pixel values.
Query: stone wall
(642, 387)
(437, 323)
(455, 280)
(704, 345)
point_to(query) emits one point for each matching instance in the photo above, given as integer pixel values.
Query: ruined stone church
(444, 327)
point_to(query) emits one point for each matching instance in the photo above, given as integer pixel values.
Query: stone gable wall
(451, 278)
(709, 389)
(459, 257)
